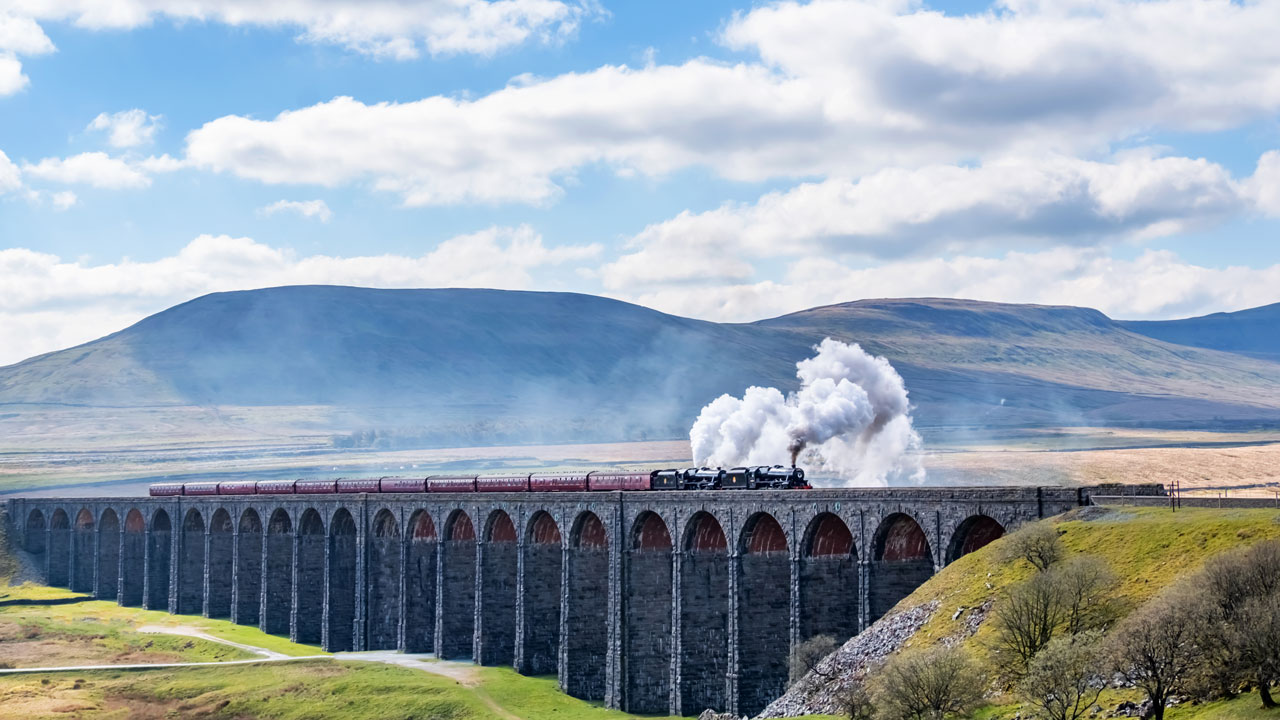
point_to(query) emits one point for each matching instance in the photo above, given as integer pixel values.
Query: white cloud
(18, 36)
(100, 170)
(383, 28)
(50, 303)
(938, 209)
(306, 208)
(96, 169)
(10, 175)
(1264, 186)
(11, 78)
(840, 88)
(1157, 284)
(64, 200)
(129, 128)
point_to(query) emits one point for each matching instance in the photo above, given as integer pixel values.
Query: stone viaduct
(652, 602)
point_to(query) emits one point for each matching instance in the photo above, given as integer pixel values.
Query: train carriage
(451, 483)
(776, 477)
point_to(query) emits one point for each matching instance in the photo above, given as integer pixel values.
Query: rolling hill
(541, 366)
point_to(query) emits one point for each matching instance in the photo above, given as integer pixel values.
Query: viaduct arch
(656, 602)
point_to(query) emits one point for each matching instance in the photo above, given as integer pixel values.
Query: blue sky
(720, 160)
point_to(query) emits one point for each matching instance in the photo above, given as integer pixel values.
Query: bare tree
(808, 655)
(1240, 631)
(1155, 648)
(927, 685)
(1065, 679)
(854, 701)
(1234, 576)
(1026, 618)
(1258, 635)
(1037, 543)
(1085, 585)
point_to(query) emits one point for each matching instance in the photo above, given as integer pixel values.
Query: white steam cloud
(850, 416)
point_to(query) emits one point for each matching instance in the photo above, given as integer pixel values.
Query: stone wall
(586, 619)
(420, 595)
(247, 581)
(456, 612)
(133, 552)
(647, 636)
(220, 570)
(496, 636)
(384, 590)
(764, 630)
(307, 623)
(340, 596)
(704, 631)
(277, 581)
(541, 605)
(829, 597)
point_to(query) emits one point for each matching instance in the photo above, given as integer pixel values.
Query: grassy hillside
(450, 366)
(1147, 548)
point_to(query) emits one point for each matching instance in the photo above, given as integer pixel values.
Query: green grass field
(1146, 547)
(42, 626)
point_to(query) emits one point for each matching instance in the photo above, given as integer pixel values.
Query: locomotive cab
(667, 480)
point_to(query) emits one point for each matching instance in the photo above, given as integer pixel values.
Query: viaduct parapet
(651, 602)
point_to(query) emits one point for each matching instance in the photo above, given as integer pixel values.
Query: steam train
(776, 477)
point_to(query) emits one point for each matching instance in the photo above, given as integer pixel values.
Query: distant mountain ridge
(569, 366)
(1254, 332)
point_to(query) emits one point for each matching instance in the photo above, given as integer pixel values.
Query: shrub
(927, 685)
(1240, 630)
(854, 702)
(1156, 648)
(807, 655)
(1065, 679)
(1025, 620)
(1037, 543)
(1071, 597)
(1085, 585)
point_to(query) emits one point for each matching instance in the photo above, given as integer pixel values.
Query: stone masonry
(652, 602)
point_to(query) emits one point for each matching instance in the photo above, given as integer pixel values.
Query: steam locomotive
(776, 477)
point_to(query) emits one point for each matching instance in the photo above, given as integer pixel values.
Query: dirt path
(195, 632)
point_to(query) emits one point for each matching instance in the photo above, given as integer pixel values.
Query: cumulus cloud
(126, 129)
(10, 175)
(50, 303)
(1157, 284)
(382, 28)
(96, 169)
(1264, 186)
(63, 200)
(306, 208)
(945, 208)
(18, 36)
(100, 170)
(835, 88)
